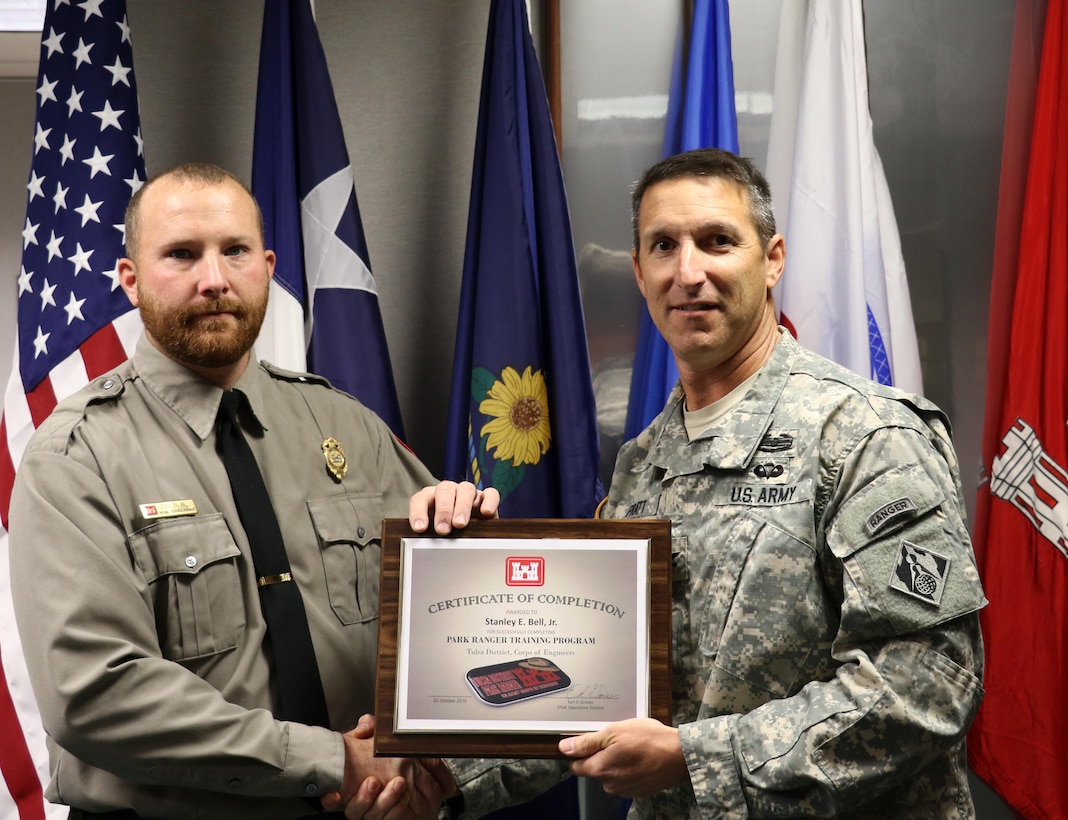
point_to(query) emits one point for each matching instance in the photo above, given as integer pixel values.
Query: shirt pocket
(349, 528)
(191, 566)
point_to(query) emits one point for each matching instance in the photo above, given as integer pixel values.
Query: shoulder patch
(890, 511)
(920, 573)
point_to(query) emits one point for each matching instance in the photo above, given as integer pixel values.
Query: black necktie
(299, 684)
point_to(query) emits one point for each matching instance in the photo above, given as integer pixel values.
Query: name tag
(168, 509)
(760, 494)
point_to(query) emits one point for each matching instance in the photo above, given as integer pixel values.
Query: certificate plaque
(500, 639)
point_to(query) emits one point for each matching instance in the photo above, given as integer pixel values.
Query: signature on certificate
(591, 691)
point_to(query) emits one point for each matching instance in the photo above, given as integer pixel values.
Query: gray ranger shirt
(136, 597)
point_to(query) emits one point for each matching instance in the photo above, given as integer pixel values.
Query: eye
(235, 250)
(721, 240)
(663, 245)
(179, 253)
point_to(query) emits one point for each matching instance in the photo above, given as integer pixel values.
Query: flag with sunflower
(521, 415)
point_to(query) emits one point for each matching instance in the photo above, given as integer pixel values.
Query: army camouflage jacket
(826, 649)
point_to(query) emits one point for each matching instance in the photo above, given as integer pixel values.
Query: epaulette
(293, 375)
(53, 434)
(104, 388)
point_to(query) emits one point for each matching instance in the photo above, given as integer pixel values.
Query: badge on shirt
(891, 511)
(335, 458)
(920, 573)
(168, 509)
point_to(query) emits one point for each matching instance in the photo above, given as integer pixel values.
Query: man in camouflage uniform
(826, 646)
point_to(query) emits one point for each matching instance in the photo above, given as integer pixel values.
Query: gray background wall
(407, 74)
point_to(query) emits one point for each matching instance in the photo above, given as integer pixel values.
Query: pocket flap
(182, 545)
(352, 518)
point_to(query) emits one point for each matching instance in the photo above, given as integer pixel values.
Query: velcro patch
(920, 573)
(889, 512)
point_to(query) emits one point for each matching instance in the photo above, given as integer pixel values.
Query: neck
(703, 387)
(224, 377)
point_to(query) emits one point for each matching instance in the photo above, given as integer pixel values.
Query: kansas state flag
(521, 415)
(323, 298)
(700, 114)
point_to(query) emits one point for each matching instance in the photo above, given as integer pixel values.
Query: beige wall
(16, 132)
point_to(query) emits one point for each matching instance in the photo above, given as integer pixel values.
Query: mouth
(213, 316)
(695, 307)
(218, 310)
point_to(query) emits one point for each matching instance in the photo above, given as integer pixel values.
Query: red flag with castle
(1019, 743)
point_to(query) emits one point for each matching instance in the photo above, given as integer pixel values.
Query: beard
(189, 339)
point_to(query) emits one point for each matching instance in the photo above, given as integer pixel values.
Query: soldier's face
(702, 269)
(201, 275)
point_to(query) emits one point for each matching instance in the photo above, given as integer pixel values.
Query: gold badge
(168, 509)
(335, 458)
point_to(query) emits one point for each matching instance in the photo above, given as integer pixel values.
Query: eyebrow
(704, 228)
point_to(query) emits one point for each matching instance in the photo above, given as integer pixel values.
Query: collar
(728, 447)
(189, 396)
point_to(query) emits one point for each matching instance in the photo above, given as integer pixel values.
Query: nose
(690, 269)
(212, 281)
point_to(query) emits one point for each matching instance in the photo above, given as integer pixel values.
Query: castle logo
(524, 571)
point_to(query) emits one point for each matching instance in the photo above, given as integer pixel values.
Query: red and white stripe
(23, 756)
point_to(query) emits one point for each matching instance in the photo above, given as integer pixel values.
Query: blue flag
(700, 114)
(323, 299)
(521, 415)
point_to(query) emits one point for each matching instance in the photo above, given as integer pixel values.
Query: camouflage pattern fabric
(826, 650)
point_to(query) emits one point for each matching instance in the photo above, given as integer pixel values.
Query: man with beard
(155, 657)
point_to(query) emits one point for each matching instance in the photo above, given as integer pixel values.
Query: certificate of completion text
(522, 635)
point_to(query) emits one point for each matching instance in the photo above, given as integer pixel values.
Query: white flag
(844, 292)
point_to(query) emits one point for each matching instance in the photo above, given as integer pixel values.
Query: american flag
(74, 321)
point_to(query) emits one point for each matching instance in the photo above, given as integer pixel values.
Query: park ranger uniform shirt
(136, 596)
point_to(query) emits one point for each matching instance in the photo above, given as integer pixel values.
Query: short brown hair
(718, 164)
(204, 173)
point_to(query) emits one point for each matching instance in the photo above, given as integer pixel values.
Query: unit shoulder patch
(920, 572)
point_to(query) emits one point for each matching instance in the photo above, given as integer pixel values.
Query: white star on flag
(109, 116)
(53, 43)
(118, 72)
(98, 162)
(81, 53)
(74, 308)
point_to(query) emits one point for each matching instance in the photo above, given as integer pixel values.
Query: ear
(775, 260)
(127, 273)
(271, 259)
(638, 276)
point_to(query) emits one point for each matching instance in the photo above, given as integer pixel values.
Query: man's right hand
(388, 788)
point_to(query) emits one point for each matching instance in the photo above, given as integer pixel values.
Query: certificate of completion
(516, 630)
(521, 635)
